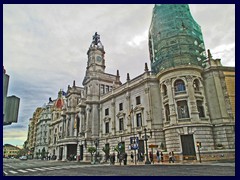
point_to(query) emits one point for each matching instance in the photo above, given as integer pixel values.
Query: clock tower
(96, 61)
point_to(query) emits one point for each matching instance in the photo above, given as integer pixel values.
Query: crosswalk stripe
(31, 170)
(13, 172)
(39, 169)
(5, 172)
(57, 167)
(46, 168)
(20, 170)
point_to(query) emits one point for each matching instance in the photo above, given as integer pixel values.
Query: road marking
(8, 165)
(39, 169)
(13, 172)
(5, 173)
(20, 170)
(57, 167)
(31, 170)
(47, 168)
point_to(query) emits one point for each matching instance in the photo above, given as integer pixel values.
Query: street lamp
(146, 139)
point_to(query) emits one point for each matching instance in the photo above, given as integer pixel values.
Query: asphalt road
(15, 167)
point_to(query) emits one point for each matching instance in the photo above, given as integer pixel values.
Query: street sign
(153, 146)
(134, 143)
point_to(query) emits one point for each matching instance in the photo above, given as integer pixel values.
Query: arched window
(196, 85)
(164, 89)
(179, 86)
(167, 112)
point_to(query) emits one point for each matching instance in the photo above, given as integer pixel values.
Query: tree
(43, 152)
(91, 150)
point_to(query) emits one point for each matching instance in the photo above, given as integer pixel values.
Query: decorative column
(64, 156)
(149, 110)
(113, 117)
(129, 119)
(170, 93)
(192, 100)
(72, 125)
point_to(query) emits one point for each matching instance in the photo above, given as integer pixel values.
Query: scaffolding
(175, 38)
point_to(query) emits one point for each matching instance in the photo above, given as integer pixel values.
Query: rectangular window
(107, 127)
(139, 119)
(107, 88)
(138, 100)
(182, 108)
(200, 109)
(106, 112)
(120, 106)
(121, 124)
(101, 89)
(167, 112)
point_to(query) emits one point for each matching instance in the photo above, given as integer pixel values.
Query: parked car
(23, 158)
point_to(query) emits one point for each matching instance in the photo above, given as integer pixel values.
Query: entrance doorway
(188, 149)
(81, 152)
(60, 153)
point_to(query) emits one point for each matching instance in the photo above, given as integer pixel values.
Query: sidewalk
(195, 162)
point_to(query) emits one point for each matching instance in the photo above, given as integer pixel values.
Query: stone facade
(176, 106)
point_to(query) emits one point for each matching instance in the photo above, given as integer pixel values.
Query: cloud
(138, 39)
(14, 137)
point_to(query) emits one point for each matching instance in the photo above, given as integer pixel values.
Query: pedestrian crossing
(31, 170)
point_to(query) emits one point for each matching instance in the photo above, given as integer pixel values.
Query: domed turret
(175, 38)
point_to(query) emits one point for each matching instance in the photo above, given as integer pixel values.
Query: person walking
(131, 156)
(158, 156)
(113, 158)
(151, 156)
(170, 157)
(161, 156)
(125, 159)
(173, 157)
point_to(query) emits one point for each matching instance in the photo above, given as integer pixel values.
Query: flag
(64, 93)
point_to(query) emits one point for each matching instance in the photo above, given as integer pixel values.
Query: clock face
(99, 58)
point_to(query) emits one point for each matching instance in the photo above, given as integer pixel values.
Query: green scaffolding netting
(175, 38)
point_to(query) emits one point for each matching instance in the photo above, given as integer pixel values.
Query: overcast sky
(45, 46)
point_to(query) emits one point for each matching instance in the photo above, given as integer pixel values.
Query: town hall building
(185, 98)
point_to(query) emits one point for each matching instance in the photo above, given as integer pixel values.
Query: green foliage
(91, 150)
(106, 150)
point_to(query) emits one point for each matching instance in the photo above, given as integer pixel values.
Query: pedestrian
(158, 156)
(161, 156)
(131, 156)
(170, 157)
(125, 158)
(151, 156)
(113, 158)
(173, 157)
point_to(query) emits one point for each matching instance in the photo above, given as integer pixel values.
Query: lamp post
(146, 139)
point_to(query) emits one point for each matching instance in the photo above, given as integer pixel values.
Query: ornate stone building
(186, 97)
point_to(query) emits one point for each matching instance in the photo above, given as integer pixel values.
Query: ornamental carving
(168, 82)
(189, 78)
(120, 114)
(147, 90)
(106, 119)
(138, 108)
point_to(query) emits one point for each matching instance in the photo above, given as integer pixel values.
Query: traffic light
(198, 144)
